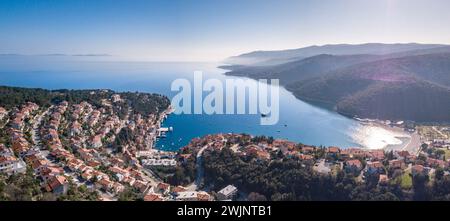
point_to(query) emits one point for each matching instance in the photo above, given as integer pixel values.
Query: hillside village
(387, 167)
(99, 151)
(68, 146)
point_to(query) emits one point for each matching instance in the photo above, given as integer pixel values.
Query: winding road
(199, 161)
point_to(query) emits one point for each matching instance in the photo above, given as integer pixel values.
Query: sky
(211, 30)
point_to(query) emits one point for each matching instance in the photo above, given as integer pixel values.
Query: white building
(3, 113)
(159, 162)
(193, 196)
(227, 193)
(11, 165)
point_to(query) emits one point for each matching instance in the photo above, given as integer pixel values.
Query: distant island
(379, 81)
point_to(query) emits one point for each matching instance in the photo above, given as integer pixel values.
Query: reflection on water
(376, 137)
(299, 121)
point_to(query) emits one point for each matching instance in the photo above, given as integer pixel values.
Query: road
(151, 177)
(199, 161)
(6, 122)
(35, 136)
(440, 132)
(413, 146)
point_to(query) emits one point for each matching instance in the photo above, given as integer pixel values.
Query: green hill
(412, 88)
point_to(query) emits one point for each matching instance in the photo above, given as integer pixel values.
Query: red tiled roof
(354, 162)
(333, 149)
(56, 181)
(152, 197)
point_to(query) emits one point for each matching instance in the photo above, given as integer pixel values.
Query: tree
(421, 191)
(48, 197)
(439, 153)
(129, 194)
(424, 146)
(253, 196)
(439, 174)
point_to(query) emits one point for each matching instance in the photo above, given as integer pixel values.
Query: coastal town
(73, 145)
(108, 154)
(395, 166)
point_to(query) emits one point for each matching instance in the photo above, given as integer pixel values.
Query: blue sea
(299, 121)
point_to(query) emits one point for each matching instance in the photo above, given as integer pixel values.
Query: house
(85, 154)
(401, 154)
(127, 179)
(306, 157)
(11, 165)
(96, 141)
(61, 153)
(137, 174)
(383, 179)
(93, 163)
(178, 189)
(57, 184)
(93, 119)
(397, 164)
(4, 151)
(374, 167)
(104, 184)
(99, 175)
(74, 164)
(376, 154)
(38, 164)
(353, 165)
(83, 168)
(47, 172)
(203, 196)
(76, 143)
(353, 152)
(17, 122)
(333, 151)
(159, 162)
(117, 161)
(307, 149)
(119, 172)
(163, 188)
(227, 193)
(116, 98)
(140, 185)
(118, 188)
(3, 113)
(257, 151)
(20, 146)
(153, 197)
(436, 163)
(190, 196)
(261, 154)
(75, 129)
(87, 174)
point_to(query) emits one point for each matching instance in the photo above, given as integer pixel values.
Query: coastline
(410, 141)
(162, 116)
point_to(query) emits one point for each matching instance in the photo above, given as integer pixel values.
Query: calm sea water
(299, 121)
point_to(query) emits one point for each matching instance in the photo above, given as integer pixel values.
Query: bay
(299, 121)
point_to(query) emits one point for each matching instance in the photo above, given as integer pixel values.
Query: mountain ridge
(368, 85)
(262, 57)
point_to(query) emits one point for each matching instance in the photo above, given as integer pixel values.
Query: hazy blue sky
(212, 29)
